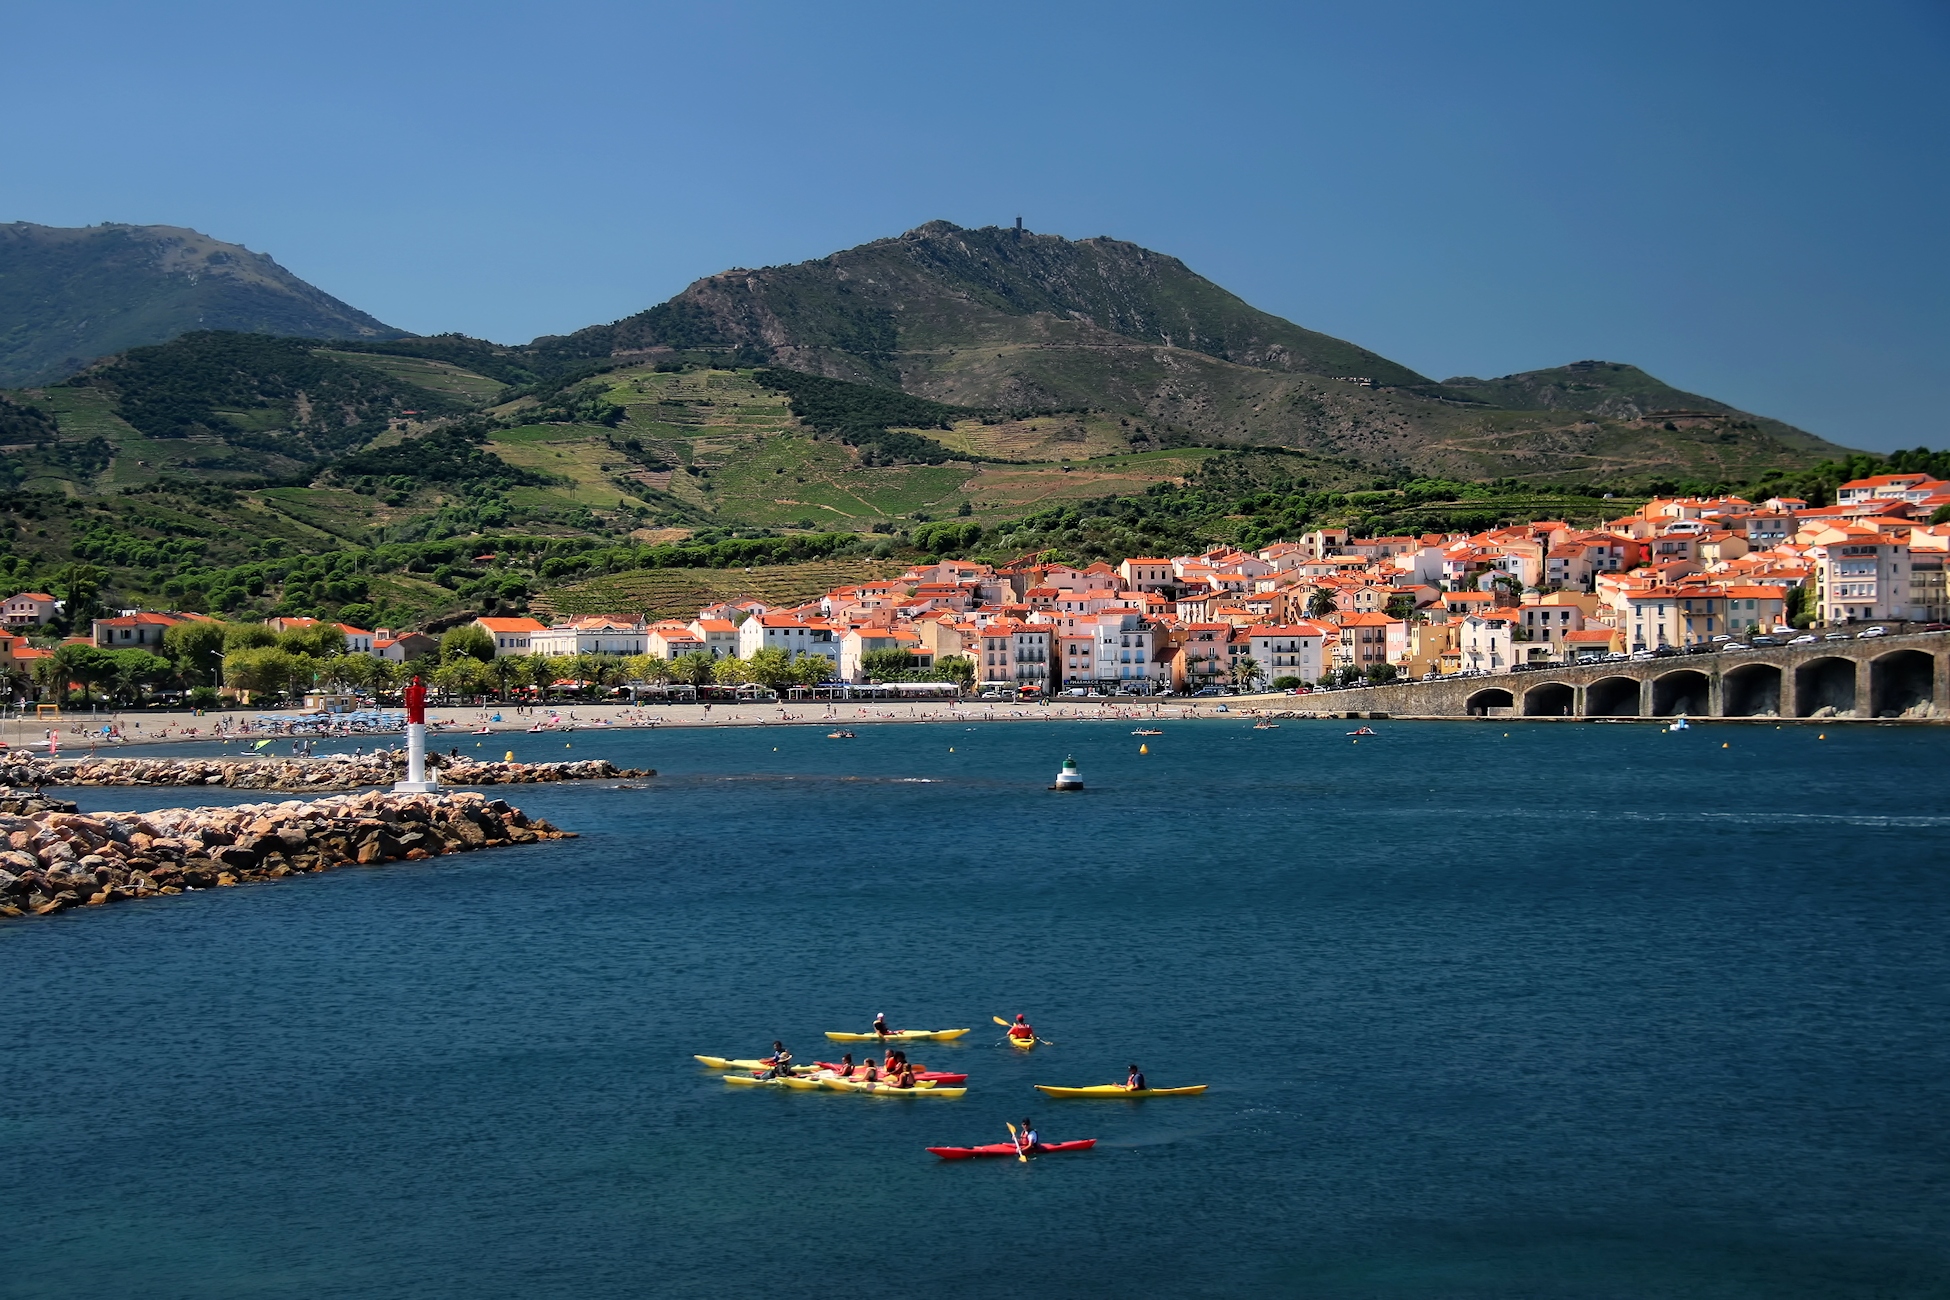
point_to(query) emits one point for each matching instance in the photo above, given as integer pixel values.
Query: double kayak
(898, 1036)
(813, 1083)
(920, 1075)
(1009, 1149)
(1119, 1090)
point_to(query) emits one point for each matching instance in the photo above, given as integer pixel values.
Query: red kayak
(1009, 1149)
(920, 1076)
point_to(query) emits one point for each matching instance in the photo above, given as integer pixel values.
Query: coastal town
(1326, 608)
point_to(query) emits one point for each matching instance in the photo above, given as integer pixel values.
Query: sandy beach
(80, 731)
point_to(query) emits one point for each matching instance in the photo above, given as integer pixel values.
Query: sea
(1485, 1009)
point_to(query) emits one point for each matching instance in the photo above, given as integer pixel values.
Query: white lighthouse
(417, 781)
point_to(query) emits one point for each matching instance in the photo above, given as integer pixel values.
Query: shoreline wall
(55, 858)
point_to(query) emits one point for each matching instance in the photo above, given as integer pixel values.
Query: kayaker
(880, 1025)
(873, 1072)
(893, 1061)
(905, 1077)
(1031, 1140)
(1135, 1083)
(846, 1066)
(1021, 1028)
(780, 1060)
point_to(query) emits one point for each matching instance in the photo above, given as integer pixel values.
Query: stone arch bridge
(1882, 677)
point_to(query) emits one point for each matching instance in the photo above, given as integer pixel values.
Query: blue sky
(1749, 200)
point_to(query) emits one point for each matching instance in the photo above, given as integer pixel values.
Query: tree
(646, 668)
(1245, 671)
(1286, 683)
(1321, 603)
(135, 669)
(1380, 674)
(462, 674)
(730, 672)
(247, 636)
(79, 587)
(355, 671)
(260, 670)
(811, 670)
(886, 665)
(467, 640)
(320, 641)
(770, 668)
(694, 669)
(542, 673)
(1401, 606)
(85, 665)
(956, 668)
(508, 670)
(195, 649)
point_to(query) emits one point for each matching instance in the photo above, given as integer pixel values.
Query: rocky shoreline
(56, 858)
(331, 772)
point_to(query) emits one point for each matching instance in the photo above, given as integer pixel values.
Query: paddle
(1020, 1153)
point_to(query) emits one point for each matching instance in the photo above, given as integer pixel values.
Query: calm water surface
(1572, 1011)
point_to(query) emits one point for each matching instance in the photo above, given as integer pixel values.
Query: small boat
(1010, 1149)
(888, 1089)
(1069, 778)
(839, 735)
(777, 1081)
(898, 1036)
(1147, 731)
(1266, 726)
(1364, 731)
(920, 1075)
(1022, 1042)
(1680, 724)
(1119, 1090)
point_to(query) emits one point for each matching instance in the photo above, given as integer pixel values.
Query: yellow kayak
(730, 1063)
(746, 1081)
(1118, 1090)
(1021, 1044)
(898, 1036)
(889, 1090)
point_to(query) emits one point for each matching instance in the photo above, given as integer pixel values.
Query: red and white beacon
(417, 780)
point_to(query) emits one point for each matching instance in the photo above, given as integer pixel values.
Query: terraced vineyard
(680, 593)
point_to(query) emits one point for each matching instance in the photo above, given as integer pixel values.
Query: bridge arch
(1550, 700)
(1751, 691)
(1495, 697)
(1684, 690)
(1901, 680)
(1612, 697)
(1826, 683)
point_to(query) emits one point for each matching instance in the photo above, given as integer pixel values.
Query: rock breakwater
(58, 858)
(331, 772)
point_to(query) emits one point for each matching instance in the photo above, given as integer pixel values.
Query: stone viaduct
(1883, 677)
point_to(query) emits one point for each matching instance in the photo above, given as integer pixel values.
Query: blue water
(1588, 1011)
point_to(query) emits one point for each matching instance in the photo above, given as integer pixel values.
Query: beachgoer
(1135, 1081)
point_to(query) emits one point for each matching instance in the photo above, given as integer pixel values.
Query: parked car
(1723, 637)
(1806, 638)
(1874, 631)
(1208, 691)
(1936, 627)
(1764, 640)
(1735, 645)
(1835, 636)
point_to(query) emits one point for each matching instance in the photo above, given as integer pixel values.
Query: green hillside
(71, 295)
(1007, 320)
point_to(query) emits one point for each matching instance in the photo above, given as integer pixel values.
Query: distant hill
(69, 296)
(1012, 320)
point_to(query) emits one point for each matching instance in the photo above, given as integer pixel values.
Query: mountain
(1013, 320)
(69, 296)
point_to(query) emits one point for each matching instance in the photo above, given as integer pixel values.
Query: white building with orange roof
(138, 630)
(716, 637)
(1147, 573)
(790, 633)
(1291, 650)
(857, 643)
(511, 636)
(29, 609)
(1486, 642)
(671, 638)
(1913, 488)
(591, 634)
(1861, 575)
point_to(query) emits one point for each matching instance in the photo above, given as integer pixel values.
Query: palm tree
(694, 668)
(1245, 671)
(1321, 603)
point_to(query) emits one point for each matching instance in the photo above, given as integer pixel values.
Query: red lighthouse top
(416, 703)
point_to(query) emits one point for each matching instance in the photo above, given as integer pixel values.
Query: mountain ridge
(71, 295)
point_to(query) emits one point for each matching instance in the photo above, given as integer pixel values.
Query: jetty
(329, 772)
(57, 858)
